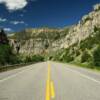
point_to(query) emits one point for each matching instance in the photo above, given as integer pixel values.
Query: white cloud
(17, 22)
(13, 5)
(8, 29)
(3, 19)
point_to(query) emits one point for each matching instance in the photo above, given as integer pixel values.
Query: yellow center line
(48, 84)
(52, 90)
(50, 93)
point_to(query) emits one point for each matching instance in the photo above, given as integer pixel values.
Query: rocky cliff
(40, 41)
(84, 28)
(46, 40)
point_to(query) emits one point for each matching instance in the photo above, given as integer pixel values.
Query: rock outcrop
(84, 28)
(46, 40)
(38, 41)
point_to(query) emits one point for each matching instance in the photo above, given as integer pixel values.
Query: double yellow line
(50, 92)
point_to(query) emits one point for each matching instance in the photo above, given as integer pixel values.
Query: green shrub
(77, 53)
(34, 58)
(85, 57)
(37, 58)
(28, 59)
(88, 43)
(96, 29)
(96, 56)
(6, 55)
(68, 58)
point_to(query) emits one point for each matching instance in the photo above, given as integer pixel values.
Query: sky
(16, 15)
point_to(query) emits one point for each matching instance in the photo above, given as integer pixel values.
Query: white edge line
(14, 75)
(85, 76)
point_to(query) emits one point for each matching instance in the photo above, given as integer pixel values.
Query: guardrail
(14, 66)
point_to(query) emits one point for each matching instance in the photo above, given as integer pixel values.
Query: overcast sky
(16, 15)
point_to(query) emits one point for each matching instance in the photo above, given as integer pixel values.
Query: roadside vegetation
(33, 58)
(9, 57)
(86, 53)
(6, 53)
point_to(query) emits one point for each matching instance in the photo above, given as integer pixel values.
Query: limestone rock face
(84, 28)
(46, 40)
(97, 7)
(38, 41)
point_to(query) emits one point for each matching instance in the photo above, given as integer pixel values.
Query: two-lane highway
(50, 81)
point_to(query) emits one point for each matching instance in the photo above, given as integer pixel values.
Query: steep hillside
(82, 44)
(78, 43)
(84, 28)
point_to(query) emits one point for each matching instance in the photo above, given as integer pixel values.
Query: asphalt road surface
(50, 81)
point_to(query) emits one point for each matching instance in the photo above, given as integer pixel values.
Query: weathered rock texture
(46, 40)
